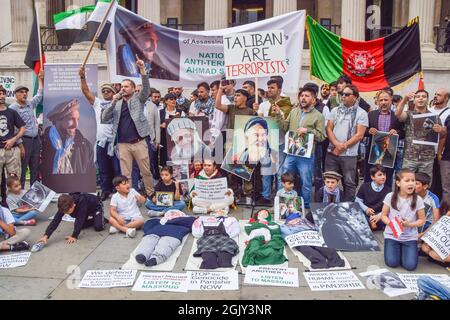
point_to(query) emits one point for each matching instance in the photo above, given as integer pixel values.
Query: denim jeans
(318, 167)
(304, 168)
(433, 287)
(24, 217)
(178, 205)
(108, 167)
(401, 253)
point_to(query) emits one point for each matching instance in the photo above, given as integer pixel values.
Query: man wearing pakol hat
(30, 140)
(69, 151)
(130, 127)
(188, 144)
(10, 121)
(106, 160)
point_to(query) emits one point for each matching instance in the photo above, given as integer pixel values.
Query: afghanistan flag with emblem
(372, 65)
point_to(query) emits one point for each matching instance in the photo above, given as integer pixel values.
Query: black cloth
(251, 100)
(127, 129)
(321, 257)
(87, 207)
(163, 142)
(9, 121)
(371, 198)
(363, 104)
(446, 153)
(162, 187)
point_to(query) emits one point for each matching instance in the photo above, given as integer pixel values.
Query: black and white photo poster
(386, 281)
(438, 237)
(344, 227)
(39, 196)
(332, 281)
(423, 132)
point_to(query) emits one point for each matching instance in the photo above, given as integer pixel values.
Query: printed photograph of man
(157, 46)
(383, 150)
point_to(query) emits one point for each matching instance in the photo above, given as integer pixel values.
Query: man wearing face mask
(303, 120)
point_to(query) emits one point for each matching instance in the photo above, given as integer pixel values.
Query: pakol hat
(63, 109)
(180, 123)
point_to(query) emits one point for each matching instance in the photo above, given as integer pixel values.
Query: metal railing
(50, 41)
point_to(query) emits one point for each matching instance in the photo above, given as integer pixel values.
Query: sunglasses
(106, 91)
(345, 94)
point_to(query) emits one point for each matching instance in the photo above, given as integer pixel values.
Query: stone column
(425, 10)
(353, 19)
(216, 14)
(21, 22)
(150, 9)
(284, 6)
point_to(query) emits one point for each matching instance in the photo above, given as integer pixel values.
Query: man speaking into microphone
(130, 127)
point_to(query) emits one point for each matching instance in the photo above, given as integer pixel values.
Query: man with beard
(303, 121)
(342, 82)
(183, 103)
(204, 105)
(69, 152)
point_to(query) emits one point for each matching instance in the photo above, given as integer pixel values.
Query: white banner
(305, 238)
(14, 260)
(213, 190)
(9, 83)
(255, 54)
(271, 276)
(203, 280)
(410, 279)
(438, 237)
(108, 278)
(172, 282)
(186, 58)
(332, 281)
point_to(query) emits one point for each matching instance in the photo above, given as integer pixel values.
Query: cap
(180, 123)
(63, 109)
(18, 88)
(109, 87)
(332, 175)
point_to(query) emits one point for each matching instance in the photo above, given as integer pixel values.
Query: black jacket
(395, 124)
(86, 205)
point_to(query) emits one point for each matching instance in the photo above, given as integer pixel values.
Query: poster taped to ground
(14, 260)
(203, 280)
(410, 279)
(271, 276)
(305, 238)
(386, 281)
(213, 190)
(108, 278)
(39, 196)
(171, 282)
(438, 237)
(255, 54)
(332, 281)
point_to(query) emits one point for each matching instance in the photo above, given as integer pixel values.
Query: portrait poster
(242, 171)
(383, 150)
(186, 186)
(180, 171)
(284, 206)
(186, 58)
(299, 145)
(438, 237)
(184, 139)
(423, 132)
(70, 130)
(386, 281)
(39, 196)
(344, 227)
(164, 199)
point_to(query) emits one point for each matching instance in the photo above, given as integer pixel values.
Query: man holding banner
(131, 127)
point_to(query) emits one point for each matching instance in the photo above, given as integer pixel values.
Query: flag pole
(256, 90)
(39, 35)
(97, 34)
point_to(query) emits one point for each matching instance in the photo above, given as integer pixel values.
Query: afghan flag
(372, 65)
(68, 24)
(32, 58)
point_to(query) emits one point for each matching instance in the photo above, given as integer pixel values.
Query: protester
(371, 195)
(342, 82)
(107, 162)
(183, 103)
(155, 97)
(31, 140)
(131, 127)
(287, 180)
(87, 209)
(431, 201)
(11, 239)
(165, 185)
(125, 215)
(249, 86)
(23, 214)
(204, 105)
(444, 164)
(402, 207)
(330, 192)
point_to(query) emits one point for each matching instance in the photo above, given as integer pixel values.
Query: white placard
(271, 276)
(305, 238)
(108, 278)
(212, 190)
(14, 260)
(255, 54)
(9, 83)
(333, 281)
(410, 279)
(438, 237)
(172, 282)
(202, 280)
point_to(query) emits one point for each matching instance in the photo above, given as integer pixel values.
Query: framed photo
(383, 150)
(164, 199)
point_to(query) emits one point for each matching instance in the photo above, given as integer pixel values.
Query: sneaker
(150, 262)
(37, 247)
(199, 210)
(140, 258)
(113, 230)
(20, 246)
(31, 222)
(131, 233)
(154, 213)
